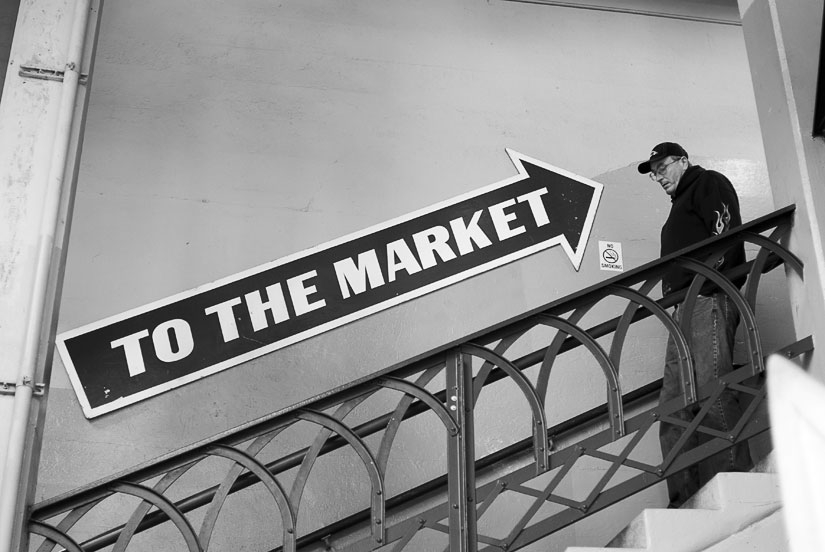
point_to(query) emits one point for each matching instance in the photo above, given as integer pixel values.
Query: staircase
(744, 512)
(734, 512)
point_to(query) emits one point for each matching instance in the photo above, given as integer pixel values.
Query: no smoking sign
(610, 256)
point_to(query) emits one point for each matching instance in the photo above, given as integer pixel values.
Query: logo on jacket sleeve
(722, 220)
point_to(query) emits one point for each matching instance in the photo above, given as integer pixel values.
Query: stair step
(737, 488)
(683, 530)
(729, 503)
(600, 549)
(766, 535)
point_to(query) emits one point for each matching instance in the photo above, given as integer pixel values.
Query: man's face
(667, 172)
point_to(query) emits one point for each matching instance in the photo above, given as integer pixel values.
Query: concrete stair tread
(730, 501)
(728, 504)
(600, 549)
(765, 535)
(736, 488)
(687, 530)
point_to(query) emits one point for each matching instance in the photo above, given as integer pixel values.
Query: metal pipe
(15, 450)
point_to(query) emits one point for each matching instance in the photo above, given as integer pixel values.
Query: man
(703, 204)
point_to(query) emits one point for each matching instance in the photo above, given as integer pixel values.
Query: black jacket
(704, 205)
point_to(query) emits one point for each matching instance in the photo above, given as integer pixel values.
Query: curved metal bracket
(58, 537)
(748, 317)
(310, 455)
(553, 350)
(693, 291)
(500, 348)
(143, 508)
(540, 441)
(288, 516)
(377, 496)
(768, 245)
(66, 523)
(688, 376)
(165, 505)
(219, 498)
(424, 396)
(787, 256)
(614, 394)
(394, 423)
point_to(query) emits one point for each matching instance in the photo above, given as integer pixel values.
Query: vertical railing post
(461, 454)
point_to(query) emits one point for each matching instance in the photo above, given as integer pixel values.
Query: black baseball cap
(660, 151)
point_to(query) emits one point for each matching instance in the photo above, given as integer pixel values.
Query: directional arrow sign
(131, 356)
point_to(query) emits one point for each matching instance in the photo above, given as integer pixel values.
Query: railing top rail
(193, 452)
(645, 272)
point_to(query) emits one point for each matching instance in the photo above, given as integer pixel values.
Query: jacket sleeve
(717, 204)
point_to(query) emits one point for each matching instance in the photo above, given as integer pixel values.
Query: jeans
(711, 340)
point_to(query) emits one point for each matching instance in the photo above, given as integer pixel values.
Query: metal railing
(444, 513)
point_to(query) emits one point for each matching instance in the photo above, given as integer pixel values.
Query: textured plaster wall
(222, 135)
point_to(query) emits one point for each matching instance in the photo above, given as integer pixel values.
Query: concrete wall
(222, 135)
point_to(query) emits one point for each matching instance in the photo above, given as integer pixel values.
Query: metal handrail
(410, 379)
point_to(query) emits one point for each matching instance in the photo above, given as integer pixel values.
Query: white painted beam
(780, 37)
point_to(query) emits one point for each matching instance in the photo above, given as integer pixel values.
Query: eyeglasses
(661, 169)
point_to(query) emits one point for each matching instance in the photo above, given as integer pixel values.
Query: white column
(782, 38)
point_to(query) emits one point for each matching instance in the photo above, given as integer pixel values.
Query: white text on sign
(610, 256)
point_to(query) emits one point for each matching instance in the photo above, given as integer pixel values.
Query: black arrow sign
(143, 352)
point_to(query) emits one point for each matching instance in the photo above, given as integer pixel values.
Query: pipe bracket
(10, 388)
(29, 72)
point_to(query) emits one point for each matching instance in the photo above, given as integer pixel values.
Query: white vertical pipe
(15, 450)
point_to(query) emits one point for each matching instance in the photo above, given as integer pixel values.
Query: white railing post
(796, 402)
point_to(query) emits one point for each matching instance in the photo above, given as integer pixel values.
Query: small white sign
(610, 256)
